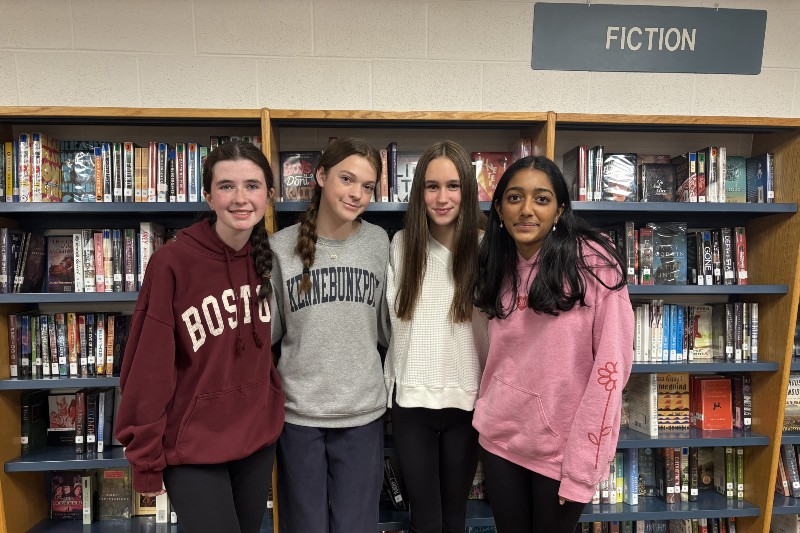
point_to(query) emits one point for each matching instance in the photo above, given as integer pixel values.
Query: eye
(225, 186)
(543, 199)
(253, 186)
(454, 186)
(513, 198)
(369, 187)
(431, 186)
(346, 179)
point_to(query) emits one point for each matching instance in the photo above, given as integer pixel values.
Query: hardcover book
(669, 253)
(489, 168)
(33, 421)
(406, 167)
(658, 182)
(62, 407)
(736, 180)
(759, 176)
(619, 178)
(298, 175)
(673, 401)
(114, 494)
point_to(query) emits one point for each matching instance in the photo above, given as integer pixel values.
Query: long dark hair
(560, 281)
(468, 224)
(336, 152)
(259, 239)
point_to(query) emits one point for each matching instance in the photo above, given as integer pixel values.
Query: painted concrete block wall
(352, 54)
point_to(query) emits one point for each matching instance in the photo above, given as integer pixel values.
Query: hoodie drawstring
(253, 311)
(239, 310)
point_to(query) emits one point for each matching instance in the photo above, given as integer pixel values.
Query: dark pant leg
(302, 480)
(548, 514)
(355, 476)
(417, 443)
(202, 498)
(458, 462)
(251, 478)
(510, 493)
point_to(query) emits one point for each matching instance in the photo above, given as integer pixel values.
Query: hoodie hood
(203, 237)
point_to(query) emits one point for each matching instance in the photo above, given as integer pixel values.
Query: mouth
(442, 211)
(526, 226)
(351, 207)
(240, 213)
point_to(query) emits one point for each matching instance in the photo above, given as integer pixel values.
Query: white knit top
(433, 362)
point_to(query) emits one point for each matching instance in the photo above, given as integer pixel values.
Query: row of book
(677, 401)
(787, 481)
(673, 333)
(38, 168)
(791, 416)
(297, 169)
(79, 418)
(685, 525)
(706, 175)
(674, 475)
(669, 254)
(66, 345)
(106, 260)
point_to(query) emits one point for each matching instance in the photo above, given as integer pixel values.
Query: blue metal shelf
(695, 368)
(65, 458)
(629, 438)
(790, 437)
(785, 505)
(709, 504)
(136, 524)
(101, 208)
(58, 383)
(704, 290)
(68, 297)
(795, 364)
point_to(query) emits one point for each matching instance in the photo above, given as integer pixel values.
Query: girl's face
(347, 188)
(238, 195)
(528, 210)
(442, 192)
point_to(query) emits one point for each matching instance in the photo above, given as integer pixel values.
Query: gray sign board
(616, 38)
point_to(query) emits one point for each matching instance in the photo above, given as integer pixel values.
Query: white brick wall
(352, 54)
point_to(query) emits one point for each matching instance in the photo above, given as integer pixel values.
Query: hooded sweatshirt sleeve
(593, 438)
(148, 378)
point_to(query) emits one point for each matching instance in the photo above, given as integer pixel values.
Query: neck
(335, 230)
(444, 235)
(527, 251)
(234, 240)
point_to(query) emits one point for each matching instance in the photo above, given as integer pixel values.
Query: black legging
(230, 497)
(438, 454)
(524, 501)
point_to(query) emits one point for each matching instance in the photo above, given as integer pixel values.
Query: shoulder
(285, 239)
(398, 240)
(375, 234)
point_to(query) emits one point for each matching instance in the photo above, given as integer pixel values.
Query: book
(736, 180)
(673, 400)
(643, 399)
(32, 264)
(405, 166)
(619, 178)
(33, 421)
(489, 168)
(714, 410)
(89, 486)
(143, 505)
(66, 495)
(114, 494)
(393, 484)
(298, 175)
(759, 175)
(60, 264)
(669, 253)
(62, 412)
(658, 182)
(791, 416)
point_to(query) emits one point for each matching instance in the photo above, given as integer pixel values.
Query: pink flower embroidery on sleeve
(607, 379)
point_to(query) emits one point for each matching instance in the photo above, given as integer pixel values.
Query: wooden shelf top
(127, 112)
(431, 116)
(675, 120)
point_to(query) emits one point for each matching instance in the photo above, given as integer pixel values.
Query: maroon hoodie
(198, 384)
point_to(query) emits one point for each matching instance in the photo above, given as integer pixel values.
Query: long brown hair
(336, 152)
(262, 253)
(469, 222)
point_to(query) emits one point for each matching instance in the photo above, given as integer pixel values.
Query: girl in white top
(438, 344)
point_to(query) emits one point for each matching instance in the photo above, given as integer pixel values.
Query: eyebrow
(538, 189)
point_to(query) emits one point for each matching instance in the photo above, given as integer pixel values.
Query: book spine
(129, 171)
(24, 167)
(770, 178)
(716, 257)
(90, 350)
(99, 262)
(162, 173)
(180, 171)
(740, 242)
(694, 474)
(684, 467)
(77, 261)
(80, 422)
(44, 343)
(739, 472)
(754, 331)
(100, 345)
(117, 172)
(98, 174)
(110, 345)
(192, 171)
(117, 259)
(722, 173)
(108, 261)
(630, 486)
(89, 280)
(36, 167)
(62, 345)
(55, 367)
(72, 345)
(13, 345)
(393, 485)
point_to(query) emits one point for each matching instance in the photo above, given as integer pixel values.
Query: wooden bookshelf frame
(773, 242)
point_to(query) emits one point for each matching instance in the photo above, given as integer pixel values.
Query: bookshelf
(23, 493)
(773, 243)
(773, 232)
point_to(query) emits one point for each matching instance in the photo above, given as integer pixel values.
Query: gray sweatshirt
(330, 366)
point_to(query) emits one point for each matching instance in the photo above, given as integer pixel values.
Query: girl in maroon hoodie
(202, 403)
(560, 352)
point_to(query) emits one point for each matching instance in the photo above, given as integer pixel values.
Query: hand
(562, 501)
(149, 494)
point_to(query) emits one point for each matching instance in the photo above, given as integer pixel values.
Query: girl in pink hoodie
(560, 352)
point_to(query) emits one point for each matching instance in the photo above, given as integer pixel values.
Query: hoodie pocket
(231, 424)
(514, 418)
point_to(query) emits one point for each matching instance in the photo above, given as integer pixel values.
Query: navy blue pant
(438, 454)
(329, 479)
(526, 502)
(230, 497)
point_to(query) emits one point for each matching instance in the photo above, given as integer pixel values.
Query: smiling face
(528, 210)
(238, 195)
(442, 193)
(347, 189)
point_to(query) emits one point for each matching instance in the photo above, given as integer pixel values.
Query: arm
(148, 379)
(593, 438)
(277, 325)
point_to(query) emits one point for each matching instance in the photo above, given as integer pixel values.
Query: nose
(240, 195)
(527, 207)
(441, 196)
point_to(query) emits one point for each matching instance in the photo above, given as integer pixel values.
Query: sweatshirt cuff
(147, 480)
(576, 491)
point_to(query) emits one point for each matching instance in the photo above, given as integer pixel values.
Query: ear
(271, 193)
(207, 197)
(321, 176)
(499, 210)
(560, 211)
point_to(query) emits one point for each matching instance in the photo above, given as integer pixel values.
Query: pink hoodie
(551, 392)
